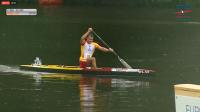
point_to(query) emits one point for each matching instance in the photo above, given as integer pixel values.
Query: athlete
(87, 49)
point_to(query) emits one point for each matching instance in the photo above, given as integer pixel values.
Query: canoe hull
(78, 70)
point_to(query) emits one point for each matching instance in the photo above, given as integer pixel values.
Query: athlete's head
(90, 38)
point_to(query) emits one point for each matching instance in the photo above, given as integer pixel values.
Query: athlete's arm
(105, 49)
(85, 35)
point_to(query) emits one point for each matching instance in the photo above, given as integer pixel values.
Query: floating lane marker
(21, 12)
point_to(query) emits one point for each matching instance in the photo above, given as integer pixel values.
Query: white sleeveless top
(87, 50)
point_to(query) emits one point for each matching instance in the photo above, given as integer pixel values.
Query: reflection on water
(37, 78)
(95, 92)
(123, 83)
(69, 92)
(61, 76)
(87, 94)
(91, 88)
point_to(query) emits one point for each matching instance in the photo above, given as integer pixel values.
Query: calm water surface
(144, 37)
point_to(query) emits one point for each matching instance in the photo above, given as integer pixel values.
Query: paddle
(120, 59)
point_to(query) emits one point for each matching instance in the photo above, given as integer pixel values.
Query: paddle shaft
(120, 59)
(105, 43)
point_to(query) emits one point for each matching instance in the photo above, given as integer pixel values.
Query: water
(143, 37)
(31, 91)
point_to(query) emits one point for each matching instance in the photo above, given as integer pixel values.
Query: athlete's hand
(90, 29)
(111, 50)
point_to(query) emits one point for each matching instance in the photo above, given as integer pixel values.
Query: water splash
(5, 68)
(15, 69)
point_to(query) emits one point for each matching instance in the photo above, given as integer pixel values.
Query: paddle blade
(124, 63)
